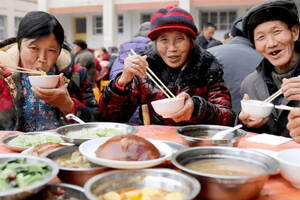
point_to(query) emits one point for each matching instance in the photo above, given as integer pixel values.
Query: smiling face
(275, 41)
(39, 54)
(174, 48)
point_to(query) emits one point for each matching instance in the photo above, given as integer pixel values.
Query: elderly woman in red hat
(186, 69)
(273, 28)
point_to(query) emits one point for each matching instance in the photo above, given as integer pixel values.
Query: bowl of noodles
(79, 133)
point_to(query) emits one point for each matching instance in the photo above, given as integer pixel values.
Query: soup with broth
(226, 167)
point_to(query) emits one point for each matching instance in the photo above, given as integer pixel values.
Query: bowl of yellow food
(157, 183)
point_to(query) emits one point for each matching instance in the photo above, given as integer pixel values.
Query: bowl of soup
(74, 168)
(142, 184)
(201, 135)
(256, 108)
(226, 172)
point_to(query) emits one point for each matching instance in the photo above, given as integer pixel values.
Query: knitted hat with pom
(172, 18)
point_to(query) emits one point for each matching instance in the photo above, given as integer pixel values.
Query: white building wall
(15, 8)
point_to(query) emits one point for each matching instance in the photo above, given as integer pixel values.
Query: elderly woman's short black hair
(38, 24)
(81, 43)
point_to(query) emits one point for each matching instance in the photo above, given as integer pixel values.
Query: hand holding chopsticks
(273, 96)
(151, 75)
(23, 70)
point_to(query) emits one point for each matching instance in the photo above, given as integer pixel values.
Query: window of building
(97, 25)
(222, 19)
(2, 27)
(145, 18)
(120, 24)
(17, 22)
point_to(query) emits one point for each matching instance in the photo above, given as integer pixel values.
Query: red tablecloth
(276, 188)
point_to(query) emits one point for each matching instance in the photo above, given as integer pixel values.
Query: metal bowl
(77, 176)
(22, 193)
(165, 179)
(69, 191)
(200, 135)
(6, 140)
(221, 187)
(64, 130)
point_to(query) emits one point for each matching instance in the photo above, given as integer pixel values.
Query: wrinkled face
(174, 48)
(275, 41)
(209, 32)
(40, 54)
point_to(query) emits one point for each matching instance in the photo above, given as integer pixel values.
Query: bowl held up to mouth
(49, 81)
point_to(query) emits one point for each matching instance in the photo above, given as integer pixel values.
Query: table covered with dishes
(276, 187)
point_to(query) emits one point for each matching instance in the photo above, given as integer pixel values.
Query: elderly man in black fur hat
(273, 28)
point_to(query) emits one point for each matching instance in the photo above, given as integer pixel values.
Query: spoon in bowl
(224, 134)
(75, 118)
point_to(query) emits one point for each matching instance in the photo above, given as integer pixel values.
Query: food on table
(127, 148)
(52, 193)
(96, 132)
(17, 173)
(227, 167)
(74, 160)
(142, 194)
(26, 141)
(43, 148)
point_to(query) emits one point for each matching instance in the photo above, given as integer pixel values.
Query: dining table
(276, 188)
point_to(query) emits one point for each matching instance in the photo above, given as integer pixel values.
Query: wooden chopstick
(273, 96)
(284, 107)
(22, 70)
(162, 87)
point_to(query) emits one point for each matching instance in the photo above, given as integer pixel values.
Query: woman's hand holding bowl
(294, 124)
(58, 97)
(133, 65)
(186, 112)
(249, 121)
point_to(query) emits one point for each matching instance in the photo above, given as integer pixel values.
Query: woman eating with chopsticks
(181, 65)
(36, 50)
(273, 28)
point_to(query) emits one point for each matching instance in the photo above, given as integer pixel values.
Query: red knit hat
(172, 18)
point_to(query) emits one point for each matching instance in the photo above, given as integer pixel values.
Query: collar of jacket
(9, 55)
(201, 69)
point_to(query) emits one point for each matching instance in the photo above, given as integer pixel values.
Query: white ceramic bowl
(168, 106)
(290, 165)
(256, 108)
(49, 81)
(88, 149)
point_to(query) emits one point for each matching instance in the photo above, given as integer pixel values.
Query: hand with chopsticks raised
(58, 97)
(251, 122)
(291, 88)
(133, 65)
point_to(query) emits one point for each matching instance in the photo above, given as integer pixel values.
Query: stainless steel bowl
(165, 179)
(69, 191)
(64, 130)
(219, 187)
(200, 135)
(22, 193)
(6, 140)
(77, 176)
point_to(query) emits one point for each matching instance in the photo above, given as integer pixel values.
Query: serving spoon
(223, 134)
(75, 118)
